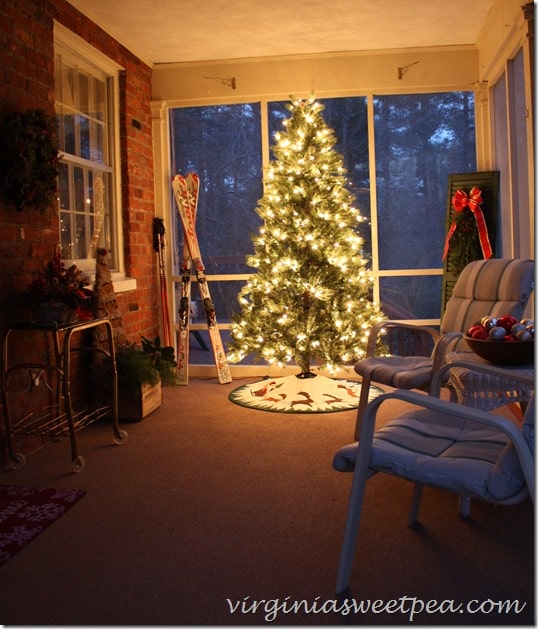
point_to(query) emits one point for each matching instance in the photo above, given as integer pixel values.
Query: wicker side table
(485, 391)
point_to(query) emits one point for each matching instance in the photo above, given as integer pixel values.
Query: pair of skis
(185, 191)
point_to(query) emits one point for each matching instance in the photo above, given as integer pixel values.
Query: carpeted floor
(215, 514)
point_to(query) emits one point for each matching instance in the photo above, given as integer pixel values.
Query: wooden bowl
(503, 352)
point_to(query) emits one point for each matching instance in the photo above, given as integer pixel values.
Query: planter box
(135, 406)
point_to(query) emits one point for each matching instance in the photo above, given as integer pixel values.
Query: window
(512, 157)
(348, 118)
(410, 142)
(222, 144)
(419, 140)
(85, 98)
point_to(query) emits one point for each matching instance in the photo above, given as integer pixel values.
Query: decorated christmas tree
(311, 299)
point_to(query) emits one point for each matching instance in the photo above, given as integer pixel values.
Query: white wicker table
(485, 391)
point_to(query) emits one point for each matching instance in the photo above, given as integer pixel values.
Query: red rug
(25, 512)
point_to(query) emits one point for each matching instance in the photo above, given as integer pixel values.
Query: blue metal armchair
(496, 286)
(470, 452)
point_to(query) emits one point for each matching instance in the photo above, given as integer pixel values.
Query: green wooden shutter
(465, 244)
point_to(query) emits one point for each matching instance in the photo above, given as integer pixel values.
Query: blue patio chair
(485, 287)
(467, 451)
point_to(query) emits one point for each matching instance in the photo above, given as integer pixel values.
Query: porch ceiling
(173, 31)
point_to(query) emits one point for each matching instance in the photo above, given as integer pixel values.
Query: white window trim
(69, 40)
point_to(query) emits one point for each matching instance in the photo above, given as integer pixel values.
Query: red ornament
(481, 333)
(507, 321)
(473, 329)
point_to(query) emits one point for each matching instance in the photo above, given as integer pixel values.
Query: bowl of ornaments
(502, 340)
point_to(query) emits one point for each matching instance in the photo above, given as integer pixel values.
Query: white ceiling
(172, 31)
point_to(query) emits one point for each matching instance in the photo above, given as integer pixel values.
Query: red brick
(27, 240)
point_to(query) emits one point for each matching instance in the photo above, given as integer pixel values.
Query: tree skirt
(25, 512)
(291, 394)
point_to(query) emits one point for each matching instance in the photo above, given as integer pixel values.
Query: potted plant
(141, 373)
(163, 359)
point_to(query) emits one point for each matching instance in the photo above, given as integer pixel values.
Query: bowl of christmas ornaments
(502, 340)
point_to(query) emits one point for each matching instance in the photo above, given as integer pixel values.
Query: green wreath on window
(29, 160)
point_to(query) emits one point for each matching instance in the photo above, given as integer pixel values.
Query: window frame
(512, 155)
(378, 273)
(75, 47)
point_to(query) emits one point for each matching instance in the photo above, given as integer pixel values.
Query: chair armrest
(377, 330)
(446, 342)
(450, 410)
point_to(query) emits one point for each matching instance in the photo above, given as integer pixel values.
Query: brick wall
(28, 238)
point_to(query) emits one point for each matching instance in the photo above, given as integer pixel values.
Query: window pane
(66, 238)
(84, 105)
(416, 297)
(347, 117)
(222, 144)
(81, 251)
(68, 124)
(99, 154)
(419, 140)
(200, 347)
(99, 203)
(85, 219)
(84, 133)
(83, 98)
(99, 92)
(69, 92)
(79, 190)
(224, 295)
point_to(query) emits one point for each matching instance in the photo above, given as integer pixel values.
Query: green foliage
(143, 365)
(311, 297)
(134, 368)
(162, 358)
(29, 159)
(465, 242)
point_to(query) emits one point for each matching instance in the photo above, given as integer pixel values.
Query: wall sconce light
(403, 69)
(231, 82)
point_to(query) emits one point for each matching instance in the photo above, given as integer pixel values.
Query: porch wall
(28, 238)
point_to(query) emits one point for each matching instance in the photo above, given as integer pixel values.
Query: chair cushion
(462, 457)
(402, 372)
(495, 286)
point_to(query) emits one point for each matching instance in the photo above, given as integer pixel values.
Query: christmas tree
(310, 300)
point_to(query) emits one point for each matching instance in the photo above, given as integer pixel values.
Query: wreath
(467, 238)
(29, 159)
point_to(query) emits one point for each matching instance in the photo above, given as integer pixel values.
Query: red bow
(460, 201)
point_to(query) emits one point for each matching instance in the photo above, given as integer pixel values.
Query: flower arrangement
(29, 159)
(65, 285)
